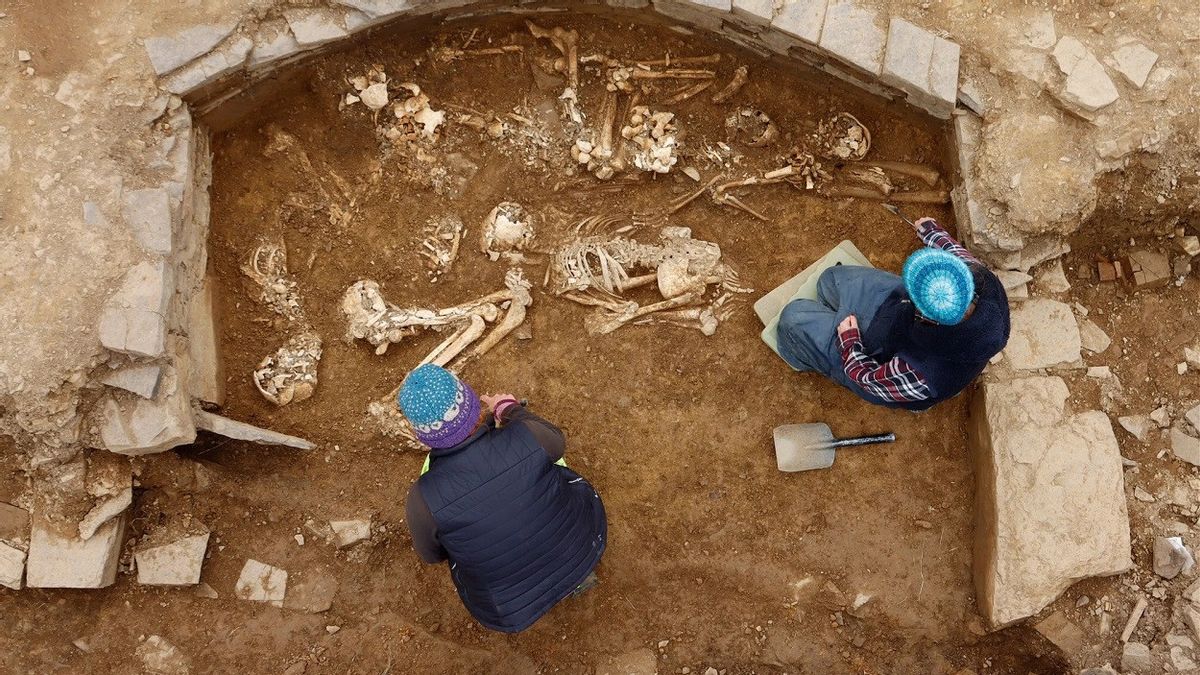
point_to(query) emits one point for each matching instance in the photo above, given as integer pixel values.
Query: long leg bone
(603, 324)
(457, 342)
(740, 77)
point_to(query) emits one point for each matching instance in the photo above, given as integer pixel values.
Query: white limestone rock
(801, 19)
(1044, 335)
(140, 379)
(1087, 85)
(316, 26)
(1011, 279)
(349, 532)
(260, 582)
(206, 379)
(1134, 61)
(131, 425)
(1050, 497)
(854, 33)
(1052, 279)
(273, 42)
(133, 320)
(1171, 557)
(148, 215)
(1139, 426)
(61, 562)
(160, 657)
(923, 65)
(12, 566)
(210, 68)
(247, 432)
(379, 9)
(1092, 337)
(1185, 447)
(107, 508)
(170, 52)
(177, 563)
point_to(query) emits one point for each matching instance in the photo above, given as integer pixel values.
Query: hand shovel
(801, 447)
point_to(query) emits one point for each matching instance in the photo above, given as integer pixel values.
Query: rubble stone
(852, 33)
(137, 426)
(1039, 30)
(1044, 334)
(174, 564)
(350, 532)
(1092, 337)
(247, 432)
(1135, 658)
(12, 566)
(1171, 557)
(160, 657)
(1193, 417)
(379, 9)
(1148, 269)
(105, 510)
(141, 379)
(168, 53)
(1052, 278)
(1088, 86)
(1139, 426)
(1050, 497)
(1181, 661)
(205, 591)
(1058, 629)
(1011, 279)
(148, 215)
(1185, 447)
(636, 662)
(59, 562)
(207, 377)
(923, 65)
(801, 19)
(1160, 416)
(260, 582)
(134, 318)
(1134, 61)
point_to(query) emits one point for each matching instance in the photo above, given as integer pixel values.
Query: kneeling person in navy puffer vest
(496, 500)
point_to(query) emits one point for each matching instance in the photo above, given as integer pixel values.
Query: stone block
(700, 14)
(1087, 85)
(210, 68)
(316, 26)
(107, 507)
(148, 215)
(758, 11)
(1134, 61)
(1044, 335)
(853, 34)
(349, 532)
(1138, 426)
(1171, 557)
(380, 10)
(273, 42)
(56, 561)
(260, 582)
(206, 381)
(247, 432)
(140, 379)
(1065, 635)
(177, 563)
(137, 426)
(1011, 279)
(801, 19)
(922, 65)
(1193, 417)
(133, 320)
(1147, 269)
(170, 52)
(1135, 658)
(1050, 497)
(12, 566)
(14, 523)
(1092, 337)
(1185, 447)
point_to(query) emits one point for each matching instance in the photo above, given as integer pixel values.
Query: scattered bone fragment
(688, 92)
(268, 268)
(290, 374)
(507, 229)
(443, 237)
(567, 44)
(753, 127)
(655, 137)
(740, 77)
(347, 533)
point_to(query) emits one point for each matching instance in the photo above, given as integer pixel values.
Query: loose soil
(715, 557)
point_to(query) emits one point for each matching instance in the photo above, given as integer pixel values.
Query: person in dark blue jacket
(520, 530)
(907, 341)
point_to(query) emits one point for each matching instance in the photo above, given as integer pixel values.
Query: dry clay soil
(715, 558)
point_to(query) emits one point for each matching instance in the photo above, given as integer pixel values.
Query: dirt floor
(715, 558)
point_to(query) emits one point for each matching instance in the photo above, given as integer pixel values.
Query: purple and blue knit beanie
(940, 284)
(442, 409)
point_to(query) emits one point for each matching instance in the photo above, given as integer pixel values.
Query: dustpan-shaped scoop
(802, 447)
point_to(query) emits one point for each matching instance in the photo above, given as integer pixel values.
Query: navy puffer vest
(520, 531)
(948, 357)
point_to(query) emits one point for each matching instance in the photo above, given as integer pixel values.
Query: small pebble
(332, 629)
(24, 56)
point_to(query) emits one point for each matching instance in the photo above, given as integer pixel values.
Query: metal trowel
(802, 447)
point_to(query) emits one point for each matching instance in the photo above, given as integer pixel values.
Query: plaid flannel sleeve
(894, 381)
(936, 236)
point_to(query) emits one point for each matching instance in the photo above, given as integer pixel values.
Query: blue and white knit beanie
(442, 409)
(940, 284)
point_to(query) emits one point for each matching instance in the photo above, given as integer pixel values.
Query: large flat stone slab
(133, 320)
(1050, 497)
(247, 432)
(854, 33)
(56, 561)
(923, 65)
(1044, 334)
(260, 582)
(211, 67)
(131, 425)
(140, 379)
(801, 19)
(148, 214)
(176, 563)
(170, 52)
(1087, 87)
(206, 381)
